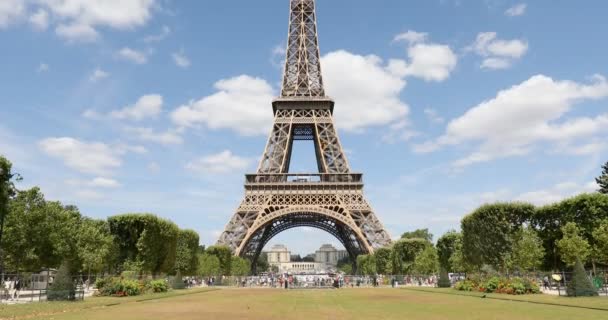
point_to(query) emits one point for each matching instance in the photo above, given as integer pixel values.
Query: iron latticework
(330, 200)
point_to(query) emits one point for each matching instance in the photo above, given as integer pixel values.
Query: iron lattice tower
(332, 199)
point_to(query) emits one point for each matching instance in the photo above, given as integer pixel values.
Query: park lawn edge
(592, 303)
(38, 309)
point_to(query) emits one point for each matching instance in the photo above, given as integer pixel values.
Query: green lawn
(227, 304)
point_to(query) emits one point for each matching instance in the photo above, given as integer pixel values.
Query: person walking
(17, 288)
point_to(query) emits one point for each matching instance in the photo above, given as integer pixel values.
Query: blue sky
(162, 106)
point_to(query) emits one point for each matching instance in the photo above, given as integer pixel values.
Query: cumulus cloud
(39, 20)
(148, 134)
(97, 75)
(77, 32)
(43, 67)
(428, 61)
(11, 11)
(433, 116)
(223, 162)
(522, 116)
(370, 92)
(147, 106)
(516, 10)
(86, 157)
(557, 193)
(165, 32)
(497, 53)
(241, 104)
(98, 182)
(180, 59)
(132, 55)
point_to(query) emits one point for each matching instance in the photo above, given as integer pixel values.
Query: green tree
(262, 263)
(602, 180)
(487, 233)
(528, 251)
(573, 246)
(580, 285)
(7, 192)
(418, 234)
(366, 264)
(240, 267)
(62, 288)
(186, 255)
(208, 265)
(94, 244)
(446, 246)
(404, 254)
(224, 254)
(457, 261)
(383, 260)
(426, 262)
(600, 235)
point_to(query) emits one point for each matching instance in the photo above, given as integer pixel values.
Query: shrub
(580, 285)
(119, 287)
(465, 285)
(63, 288)
(157, 286)
(177, 282)
(499, 285)
(444, 279)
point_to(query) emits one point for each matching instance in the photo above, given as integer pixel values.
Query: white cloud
(180, 59)
(91, 114)
(147, 106)
(98, 182)
(516, 10)
(77, 32)
(87, 194)
(11, 11)
(433, 116)
(94, 157)
(223, 162)
(429, 61)
(165, 32)
(134, 56)
(522, 116)
(148, 134)
(411, 37)
(370, 92)
(497, 53)
(154, 167)
(40, 19)
(557, 193)
(241, 104)
(43, 67)
(98, 74)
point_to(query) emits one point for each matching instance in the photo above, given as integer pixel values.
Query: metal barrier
(19, 288)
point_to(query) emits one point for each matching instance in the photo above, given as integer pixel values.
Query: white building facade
(326, 260)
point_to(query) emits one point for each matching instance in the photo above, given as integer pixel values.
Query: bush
(499, 285)
(580, 285)
(157, 286)
(119, 287)
(465, 285)
(444, 279)
(63, 288)
(177, 282)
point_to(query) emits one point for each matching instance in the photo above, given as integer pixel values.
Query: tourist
(17, 291)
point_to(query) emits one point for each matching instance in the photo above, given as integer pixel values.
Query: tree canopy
(602, 180)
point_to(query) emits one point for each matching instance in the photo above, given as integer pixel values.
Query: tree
(457, 261)
(208, 265)
(580, 285)
(573, 246)
(186, 258)
(527, 252)
(383, 260)
(404, 254)
(224, 254)
(62, 288)
(94, 244)
(366, 264)
(418, 234)
(7, 192)
(426, 262)
(602, 180)
(262, 263)
(487, 233)
(600, 235)
(446, 246)
(444, 279)
(240, 267)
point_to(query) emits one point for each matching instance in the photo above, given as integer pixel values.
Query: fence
(20, 288)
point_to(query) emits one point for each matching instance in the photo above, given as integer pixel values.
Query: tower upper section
(302, 75)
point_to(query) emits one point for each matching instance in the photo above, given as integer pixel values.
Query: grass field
(314, 304)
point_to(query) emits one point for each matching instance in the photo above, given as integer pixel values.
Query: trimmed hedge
(122, 287)
(514, 286)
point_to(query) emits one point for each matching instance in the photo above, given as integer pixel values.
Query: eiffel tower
(332, 199)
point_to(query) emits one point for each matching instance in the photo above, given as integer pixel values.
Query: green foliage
(94, 244)
(209, 265)
(63, 288)
(446, 246)
(426, 262)
(580, 285)
(600, 237)
(186, 259)
(527, 251)
(404, 254)
(516, 286)
(7, 189)
(119, 287)
(602, 180)
(444, 279)
(262, 263)
(157, 286)
(346, 268)
(572, 246)
(418, 234)
(240, 267)
(224, 254)
(146, 238)
(383, 260)
(487, 233)
(366, 265)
